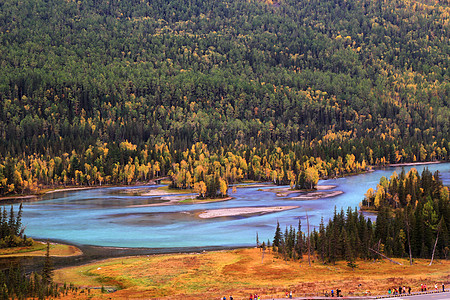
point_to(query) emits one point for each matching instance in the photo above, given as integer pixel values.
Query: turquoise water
(110, 217)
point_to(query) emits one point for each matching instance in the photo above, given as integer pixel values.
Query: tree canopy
(98, 91)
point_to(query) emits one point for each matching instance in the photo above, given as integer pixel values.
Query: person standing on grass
(443, 287)
(409, 290)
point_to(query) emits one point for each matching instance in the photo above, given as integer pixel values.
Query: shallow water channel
(121, 217)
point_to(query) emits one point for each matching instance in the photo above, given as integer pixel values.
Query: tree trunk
(435, 243)
(409, 241)
(309, 241)
(391, 260)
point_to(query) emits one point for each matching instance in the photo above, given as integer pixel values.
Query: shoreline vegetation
(162, 191)
(239, 272)
(39, 249)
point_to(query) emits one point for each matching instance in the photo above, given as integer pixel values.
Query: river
(115, 216)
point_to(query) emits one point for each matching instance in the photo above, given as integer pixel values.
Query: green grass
(35, 247)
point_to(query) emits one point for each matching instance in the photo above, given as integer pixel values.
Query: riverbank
(62, 189)
(43, 192)
(239, 272)
(414, 164)
(39, 248)
(162, 192)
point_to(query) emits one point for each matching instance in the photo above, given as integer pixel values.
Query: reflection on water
(124, 217)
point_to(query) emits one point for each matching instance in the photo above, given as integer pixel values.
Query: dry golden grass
(241, 272)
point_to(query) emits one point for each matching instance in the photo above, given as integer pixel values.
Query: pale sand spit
(239, 211)
(317, 195)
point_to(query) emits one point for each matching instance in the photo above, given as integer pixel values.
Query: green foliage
(11, 230)
(15, 284)
(415, 203)
(96, 92)
(47, 270)
(346, 237)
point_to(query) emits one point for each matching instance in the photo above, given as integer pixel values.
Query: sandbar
(317, 195)
(240, 211)
(157, 192)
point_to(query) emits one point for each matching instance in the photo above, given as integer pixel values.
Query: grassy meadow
(210, 275)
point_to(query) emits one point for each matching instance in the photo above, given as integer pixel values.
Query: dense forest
(213, 92)
(413, 220)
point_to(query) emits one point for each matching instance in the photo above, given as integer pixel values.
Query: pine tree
(47, 271)
(11, 222)
(277, 238)
(18, 225)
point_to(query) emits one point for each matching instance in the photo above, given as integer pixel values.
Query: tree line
(207, 172)
(414, 227)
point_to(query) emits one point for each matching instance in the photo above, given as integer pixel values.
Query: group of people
(400, 290)
(337, 293)
(404, 290)
(289, 295)
(334, 293)
(423, 287)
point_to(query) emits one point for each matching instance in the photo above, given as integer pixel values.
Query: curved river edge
(96, 253)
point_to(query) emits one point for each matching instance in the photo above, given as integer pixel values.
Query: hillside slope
(321, 79)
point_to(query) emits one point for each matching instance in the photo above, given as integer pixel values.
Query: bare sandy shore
(240, 211)
(325, 187)
(317, 195)
(156, 192)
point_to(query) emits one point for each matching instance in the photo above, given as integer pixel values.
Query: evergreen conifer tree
(47, 271)
(277, 238)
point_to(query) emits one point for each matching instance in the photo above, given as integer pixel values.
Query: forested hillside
(97, 91)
